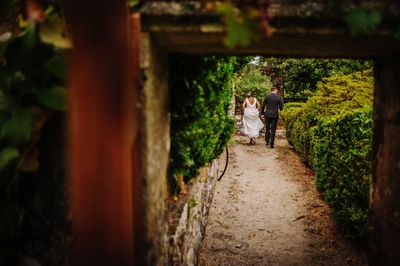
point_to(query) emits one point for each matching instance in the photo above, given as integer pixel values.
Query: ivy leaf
(57, 66)
(18, 128)
(375, 18)
(29, 39)
(133, 3)
(361, 20)
(54, 98)
(242, 26)
(7, 155)
(52, 32)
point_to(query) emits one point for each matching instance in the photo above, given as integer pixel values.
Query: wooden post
(103, 134)
(138, 207)
(385, 196)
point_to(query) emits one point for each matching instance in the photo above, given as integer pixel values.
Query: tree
(250, 78)
(299, 77)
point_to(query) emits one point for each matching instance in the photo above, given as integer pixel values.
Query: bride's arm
(258, 105)
(244, 105)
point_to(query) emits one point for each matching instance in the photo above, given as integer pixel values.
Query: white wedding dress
(252, 123)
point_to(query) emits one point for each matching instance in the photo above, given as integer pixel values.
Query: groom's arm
(281, 104)
(263, 106)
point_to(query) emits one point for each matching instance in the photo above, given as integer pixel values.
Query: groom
(271, 104)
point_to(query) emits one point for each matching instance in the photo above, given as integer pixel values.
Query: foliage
(342, 161)
(242, 25)
(240, 62)
(245, 21)
(300, 76)
(332, 133)
(272, 67)
(133, 3)
(31, 90)
(361, 20)
(201, 95)
(250, 78)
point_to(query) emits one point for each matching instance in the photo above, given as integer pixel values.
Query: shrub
(299, 77)
(332, 133)
(341, 147)
(201, 95)
(250, 78)
(335, 95)
(302, 75)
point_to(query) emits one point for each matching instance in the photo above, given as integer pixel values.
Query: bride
(252, 123)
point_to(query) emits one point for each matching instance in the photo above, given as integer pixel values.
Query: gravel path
(266, 211)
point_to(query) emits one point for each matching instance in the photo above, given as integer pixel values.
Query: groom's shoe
(271, 146)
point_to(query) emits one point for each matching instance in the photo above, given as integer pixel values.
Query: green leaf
(375, 17)
(242, 25)
(133, 3)
(52, 32)
(6, 156)
(57, 66)
(361, 20)
(29, 38)
(18, 128)
(54, 98)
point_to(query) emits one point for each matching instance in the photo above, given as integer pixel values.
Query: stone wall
(155, 147)
(185, 240)
(299, 33)
(178, 242)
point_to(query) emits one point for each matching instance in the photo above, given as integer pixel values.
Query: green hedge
(341, 149)
(332, 133)
(201, 95)
(303, 75)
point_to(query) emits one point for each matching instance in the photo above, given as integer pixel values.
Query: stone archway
(302, 30)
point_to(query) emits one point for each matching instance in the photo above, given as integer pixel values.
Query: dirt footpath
(266, 211)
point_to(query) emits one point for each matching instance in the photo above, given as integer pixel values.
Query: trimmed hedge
(332, 133)
(341, 150)
(201, 95)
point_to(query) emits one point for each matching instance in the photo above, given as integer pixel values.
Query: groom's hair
(275, 89)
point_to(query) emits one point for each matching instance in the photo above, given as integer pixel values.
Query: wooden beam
(280, 44)
(103, 134)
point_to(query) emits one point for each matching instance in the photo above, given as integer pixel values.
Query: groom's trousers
(270, 129)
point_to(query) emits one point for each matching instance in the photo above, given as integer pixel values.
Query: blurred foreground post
(138, 206)
(103, 133)
(385, 196)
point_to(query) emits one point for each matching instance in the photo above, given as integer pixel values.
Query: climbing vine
(248, 21)
(32, 77)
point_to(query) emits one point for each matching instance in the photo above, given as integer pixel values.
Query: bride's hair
(249, 94)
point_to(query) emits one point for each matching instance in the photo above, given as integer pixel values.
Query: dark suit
(270, 109)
